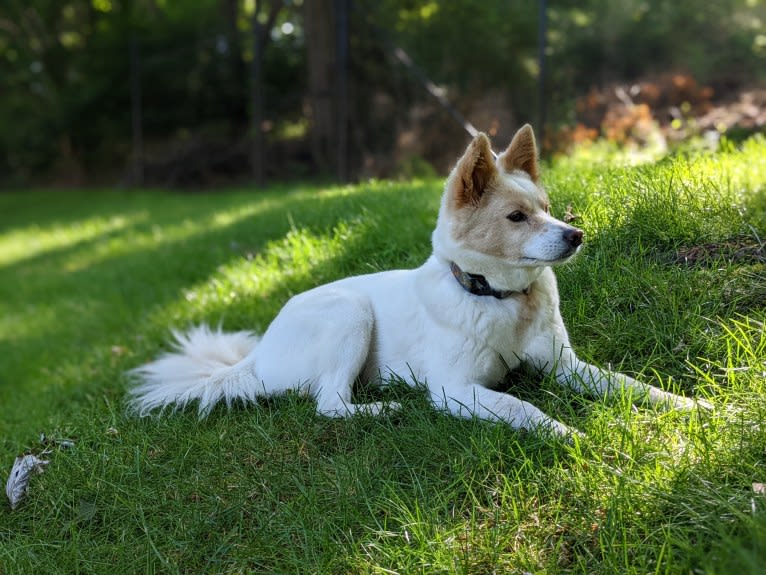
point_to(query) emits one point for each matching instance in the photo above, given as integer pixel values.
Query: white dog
(484, 302)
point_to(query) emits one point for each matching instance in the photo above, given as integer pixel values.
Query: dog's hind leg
(321, 341)
(334, 383)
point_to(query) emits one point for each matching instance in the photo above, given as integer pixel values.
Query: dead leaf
(570, 216)
(21, 472)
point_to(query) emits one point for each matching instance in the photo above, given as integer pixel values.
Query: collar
(478, 285)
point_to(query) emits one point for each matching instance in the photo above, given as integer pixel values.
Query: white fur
(419, 322)
(203, 367)
(522, 184)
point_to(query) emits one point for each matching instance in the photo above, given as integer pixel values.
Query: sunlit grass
(91, 282)
(31, 241)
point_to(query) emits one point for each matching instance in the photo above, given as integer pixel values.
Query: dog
(485, 301)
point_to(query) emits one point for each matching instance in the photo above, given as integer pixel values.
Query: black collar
(478, 285)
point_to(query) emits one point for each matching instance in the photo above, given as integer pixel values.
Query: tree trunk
(260, 36)
(256, 100)
(237, 69)
(342, 8)
(319, 26)
(136, 114)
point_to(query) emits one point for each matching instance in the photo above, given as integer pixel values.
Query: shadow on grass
(100, 304)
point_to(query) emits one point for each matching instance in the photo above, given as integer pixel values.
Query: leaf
(21, 472)
(570, 216)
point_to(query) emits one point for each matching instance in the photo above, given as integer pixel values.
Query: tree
(320, 56)
(260, 37)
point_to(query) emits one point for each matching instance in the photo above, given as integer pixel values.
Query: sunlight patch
(26, 243)
(124, 244)
(299, 260)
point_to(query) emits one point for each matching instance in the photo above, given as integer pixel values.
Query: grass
(90, 282)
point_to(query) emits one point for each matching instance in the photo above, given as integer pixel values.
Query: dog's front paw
(562, 430)
(681, 403)
(703, 405)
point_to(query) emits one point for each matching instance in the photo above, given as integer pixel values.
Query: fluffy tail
(206, 366)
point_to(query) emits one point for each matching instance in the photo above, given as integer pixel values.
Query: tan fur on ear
(474, 171)
(521, 153)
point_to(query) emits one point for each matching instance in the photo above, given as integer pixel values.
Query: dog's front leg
(584, 377)
(475, 400)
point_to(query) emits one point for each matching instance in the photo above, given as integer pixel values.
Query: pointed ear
(473, 172)
(521, 153)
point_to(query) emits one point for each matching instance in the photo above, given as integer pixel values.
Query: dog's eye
(517, 216)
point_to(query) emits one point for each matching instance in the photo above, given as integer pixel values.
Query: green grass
(671, 285)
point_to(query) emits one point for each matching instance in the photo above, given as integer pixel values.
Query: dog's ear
(473, 172)
(521, 153)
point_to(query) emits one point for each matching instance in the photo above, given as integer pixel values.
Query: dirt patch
(739, 250)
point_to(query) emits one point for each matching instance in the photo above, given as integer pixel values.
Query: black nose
(573, 237)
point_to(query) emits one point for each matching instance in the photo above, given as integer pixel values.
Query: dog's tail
(207, 366)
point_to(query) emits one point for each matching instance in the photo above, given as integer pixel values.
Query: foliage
(477, 46)
(92, 280)
(717, 43)
(66, 109)
(68, 71)
(469, 45)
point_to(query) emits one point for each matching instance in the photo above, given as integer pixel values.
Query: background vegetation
(80, 77)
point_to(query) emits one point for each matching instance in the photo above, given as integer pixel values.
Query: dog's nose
(573, 237)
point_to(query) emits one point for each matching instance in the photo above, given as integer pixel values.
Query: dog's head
(495, 216)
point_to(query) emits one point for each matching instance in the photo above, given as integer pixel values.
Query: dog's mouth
(562, 258)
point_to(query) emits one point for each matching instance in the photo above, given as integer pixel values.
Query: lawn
(670, 286)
